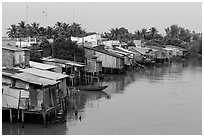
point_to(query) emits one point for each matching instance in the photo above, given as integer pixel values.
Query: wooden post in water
(11, 117)
(44, 118)
(22, 118)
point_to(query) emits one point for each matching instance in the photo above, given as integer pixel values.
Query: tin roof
(45, 74)
(34, 79)
(124, 50)
(41, 65)
(13, 48)
(67, 62)
(104, 51)
(9, 72)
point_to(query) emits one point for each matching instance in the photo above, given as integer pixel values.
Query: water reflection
(154, 100)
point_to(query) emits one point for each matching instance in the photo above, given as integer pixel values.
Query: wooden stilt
(49, 117)
(18, 115)
(44, 118)
(11, 117)
(22, 118)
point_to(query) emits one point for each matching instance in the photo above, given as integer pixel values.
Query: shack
(177, 51)
(127, 56)
(143, 55)
(93, 66)
(110, 61)
(15, 57)
(161, 55)
(61, 78)
(72, 68)
(32, 95)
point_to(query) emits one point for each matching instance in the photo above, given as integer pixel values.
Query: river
(162, 100)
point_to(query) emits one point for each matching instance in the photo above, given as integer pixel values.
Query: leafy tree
(138, 35)
(49, 32)
(68, 50)
(35, 55)
(174, 31)
(46, 47)
(184, 35)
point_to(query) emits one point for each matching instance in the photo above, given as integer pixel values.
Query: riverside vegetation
(61, 33)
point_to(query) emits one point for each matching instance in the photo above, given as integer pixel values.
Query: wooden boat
(91, 88)
(96, 94)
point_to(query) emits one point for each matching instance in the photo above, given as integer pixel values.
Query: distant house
(26, 42)
(138, 43)
(160, 53)
(176, 51)
(15, 57)
(9, 41)
(141, 53)
(109, 60)
(111, 43)
(128, 55)
(91, 40)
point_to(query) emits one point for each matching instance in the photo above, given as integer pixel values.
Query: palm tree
(49, 32)
(144, 33)
(12, 31)
(42, 31)
(167, 30)
(58, 29)
(58, 26)
(65, 29)
(153, 32)
(35, 27)
(76, 30)
(114, 33)
(22, 29)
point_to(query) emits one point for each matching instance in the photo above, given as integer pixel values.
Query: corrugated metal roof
(41, 65)
(45, 73)
(124, 50)
(34, 79)
(104, 51)
(13, 48)
(67, 62)
(9, 72)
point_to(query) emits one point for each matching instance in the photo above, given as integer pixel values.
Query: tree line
(61, 32)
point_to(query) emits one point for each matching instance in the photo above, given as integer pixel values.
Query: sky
(101, 17)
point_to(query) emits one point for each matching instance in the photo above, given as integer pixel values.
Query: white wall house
(93, 40)
(25, 42)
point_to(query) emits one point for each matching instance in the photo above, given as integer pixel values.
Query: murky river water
(166, 99)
